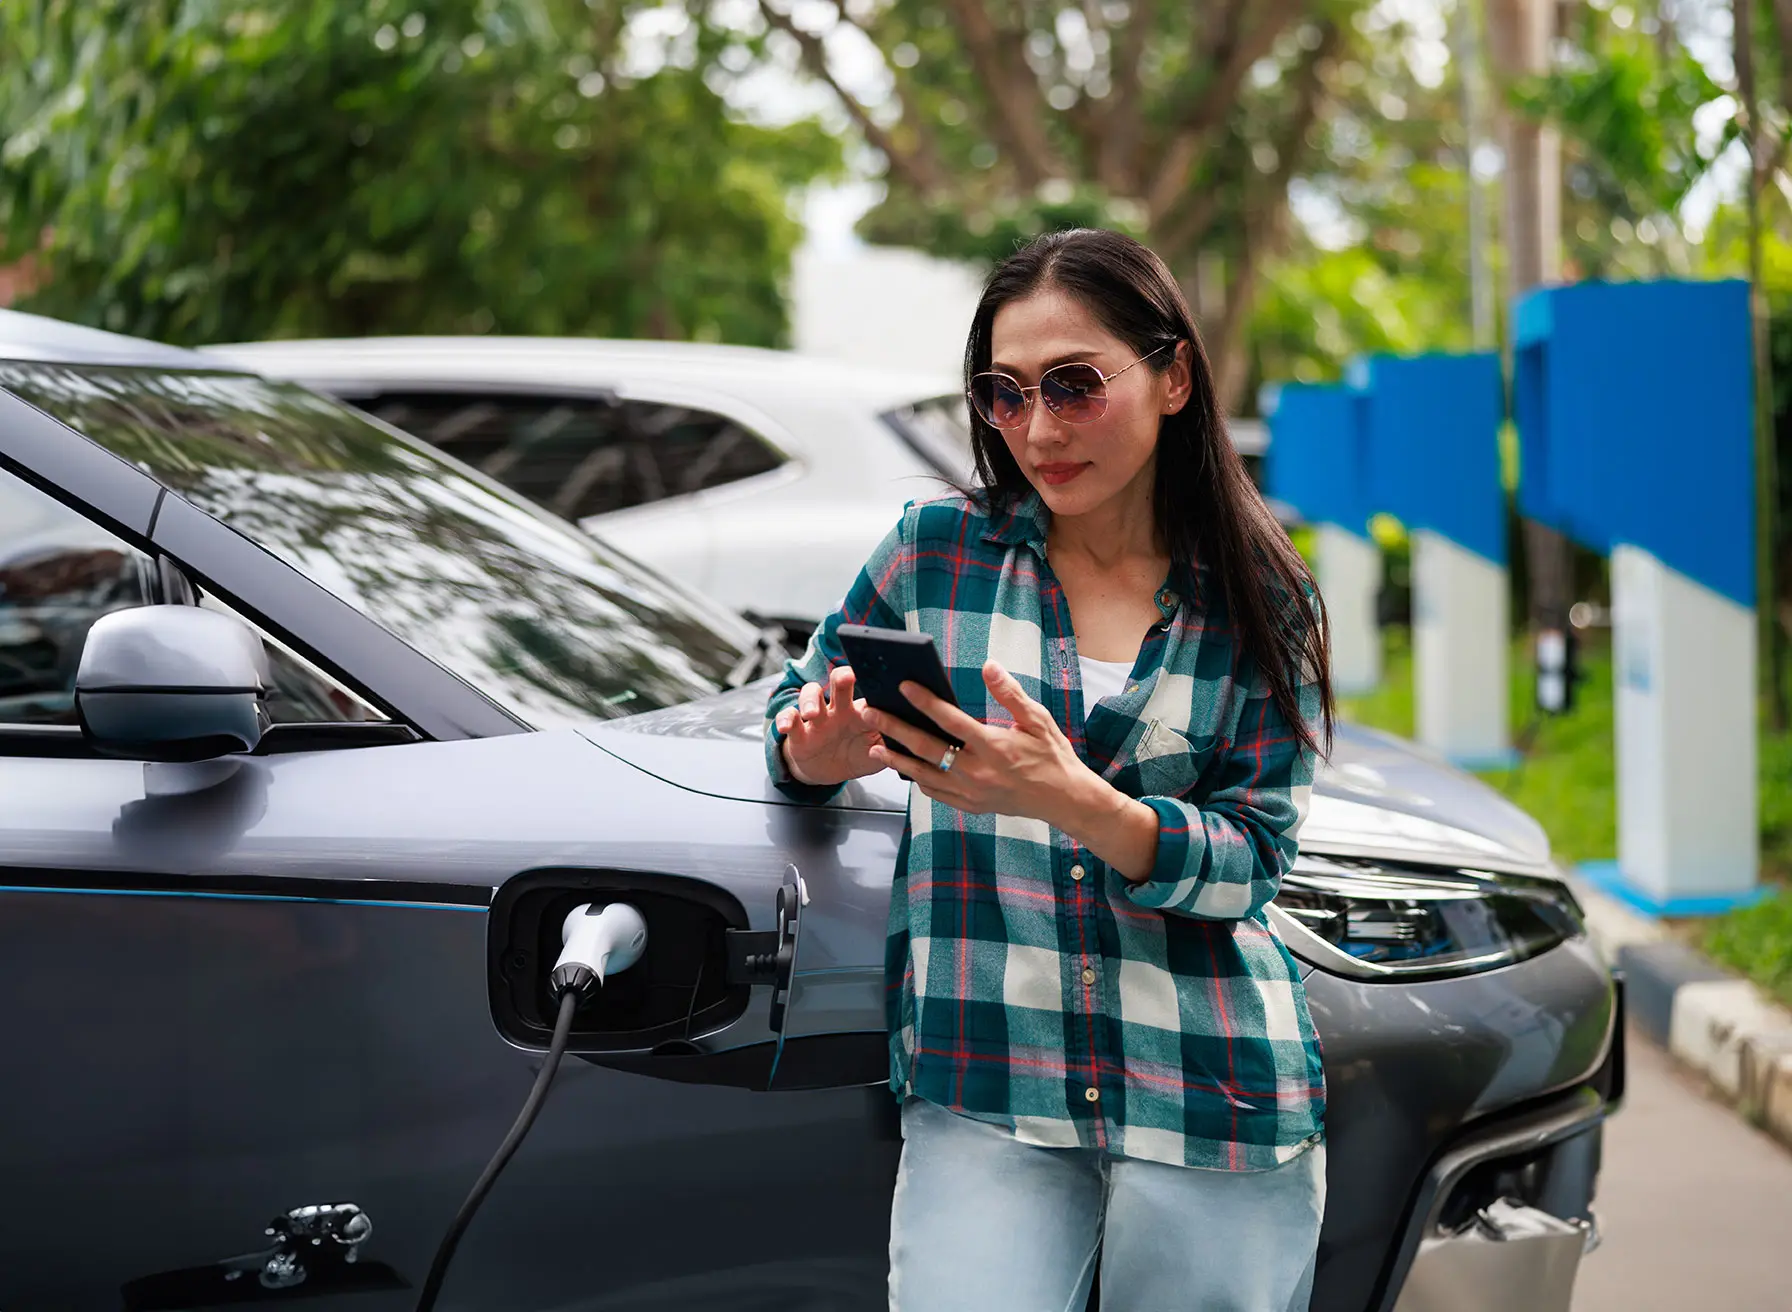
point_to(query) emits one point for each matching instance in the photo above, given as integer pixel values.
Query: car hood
(1378, 797)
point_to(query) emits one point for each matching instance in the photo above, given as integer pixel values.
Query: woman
(1099, 1043)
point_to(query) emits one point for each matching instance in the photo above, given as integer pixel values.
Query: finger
(918, 741)
(891, 759)
(920, 772)
(939, 789)
(785, 718)
(1007, 690)
(840, 687)
(862, 709)
(943, 713)
(808, 701)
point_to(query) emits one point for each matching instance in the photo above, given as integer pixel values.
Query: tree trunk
(1766, 472)
(1230, 343)
(1518, 37)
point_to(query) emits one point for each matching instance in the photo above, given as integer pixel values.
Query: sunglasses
(1076, 392)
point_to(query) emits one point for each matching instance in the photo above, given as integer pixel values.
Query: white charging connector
(598, 942)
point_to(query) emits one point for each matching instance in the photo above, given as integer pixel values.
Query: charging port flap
(769, 956)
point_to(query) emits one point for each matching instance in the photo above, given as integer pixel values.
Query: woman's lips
(1060, 474)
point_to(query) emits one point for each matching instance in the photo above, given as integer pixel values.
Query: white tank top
(1102, 679)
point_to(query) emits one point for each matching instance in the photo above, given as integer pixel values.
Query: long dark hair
(1206, 507)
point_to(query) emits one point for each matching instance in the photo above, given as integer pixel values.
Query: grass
(1756, 942)
(1566, 779)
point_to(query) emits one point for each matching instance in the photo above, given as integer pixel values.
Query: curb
(1714, 1024)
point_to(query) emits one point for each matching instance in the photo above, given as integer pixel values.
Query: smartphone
(882, 659)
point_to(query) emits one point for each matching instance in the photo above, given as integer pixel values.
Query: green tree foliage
(1328, 307)
(1389, 174)
(994, 121)
(203, 170)
(1628, 96)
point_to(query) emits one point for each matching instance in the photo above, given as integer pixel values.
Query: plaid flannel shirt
(1030, 985)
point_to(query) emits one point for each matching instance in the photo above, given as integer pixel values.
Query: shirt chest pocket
(1157, 761)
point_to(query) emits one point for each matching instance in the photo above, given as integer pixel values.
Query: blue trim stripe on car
(237, 897)
(414, 894)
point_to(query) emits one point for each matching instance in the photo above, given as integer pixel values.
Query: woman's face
(1078, 468)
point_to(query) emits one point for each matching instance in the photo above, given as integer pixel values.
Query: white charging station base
(1350, 580)
(1460, 657)
(1684, 687)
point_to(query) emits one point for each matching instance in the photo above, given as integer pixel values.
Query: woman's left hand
(1029, 769)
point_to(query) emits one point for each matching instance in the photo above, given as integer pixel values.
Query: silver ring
(950, 755)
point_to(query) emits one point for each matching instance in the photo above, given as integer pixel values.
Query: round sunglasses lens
(999, 400)
(1075, 393)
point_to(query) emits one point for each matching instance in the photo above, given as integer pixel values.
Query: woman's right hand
(826, 739)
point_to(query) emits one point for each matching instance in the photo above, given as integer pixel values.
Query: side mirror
(171, 683)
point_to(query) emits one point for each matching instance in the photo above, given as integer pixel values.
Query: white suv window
(582, 456)
(939, 431)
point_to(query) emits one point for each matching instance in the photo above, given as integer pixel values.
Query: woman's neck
(1123, 528)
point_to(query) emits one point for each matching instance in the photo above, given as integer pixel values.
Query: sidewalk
(1714, 1025)
(1693, 1204)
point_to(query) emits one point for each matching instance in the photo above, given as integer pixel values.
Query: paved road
(1695, 1206)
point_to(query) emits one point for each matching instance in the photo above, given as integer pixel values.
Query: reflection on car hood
(1379, 796)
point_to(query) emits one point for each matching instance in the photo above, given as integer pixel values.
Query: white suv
(762, 478)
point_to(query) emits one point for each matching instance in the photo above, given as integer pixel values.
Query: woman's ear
(1178, 381)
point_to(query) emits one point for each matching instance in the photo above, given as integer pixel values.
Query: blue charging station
(1433, 429)
(1430, 430)
(1634, 404)
(1317, 464)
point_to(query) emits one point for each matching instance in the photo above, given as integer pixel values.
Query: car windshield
(544, 619)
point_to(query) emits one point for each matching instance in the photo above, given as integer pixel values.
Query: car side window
(59, 572)
(582, 456)
(302, 693)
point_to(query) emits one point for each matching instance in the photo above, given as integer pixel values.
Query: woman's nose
(1043, 427)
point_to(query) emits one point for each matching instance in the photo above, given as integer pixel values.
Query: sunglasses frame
(1028, 393)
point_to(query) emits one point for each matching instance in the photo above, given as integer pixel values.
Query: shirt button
(1092, 1094)
(1077, 872)
(1088, 976)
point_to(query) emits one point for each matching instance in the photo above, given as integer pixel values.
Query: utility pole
(1519, 33)
(1766, 474)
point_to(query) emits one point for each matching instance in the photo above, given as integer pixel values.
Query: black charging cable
(438, 1269)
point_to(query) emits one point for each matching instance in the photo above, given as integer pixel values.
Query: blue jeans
(984, 1223)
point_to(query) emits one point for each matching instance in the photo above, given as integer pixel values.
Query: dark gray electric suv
(311, 737)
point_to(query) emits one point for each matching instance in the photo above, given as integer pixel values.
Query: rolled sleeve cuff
(1173, 881)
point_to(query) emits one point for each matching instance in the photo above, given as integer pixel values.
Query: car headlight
(1386, 922)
